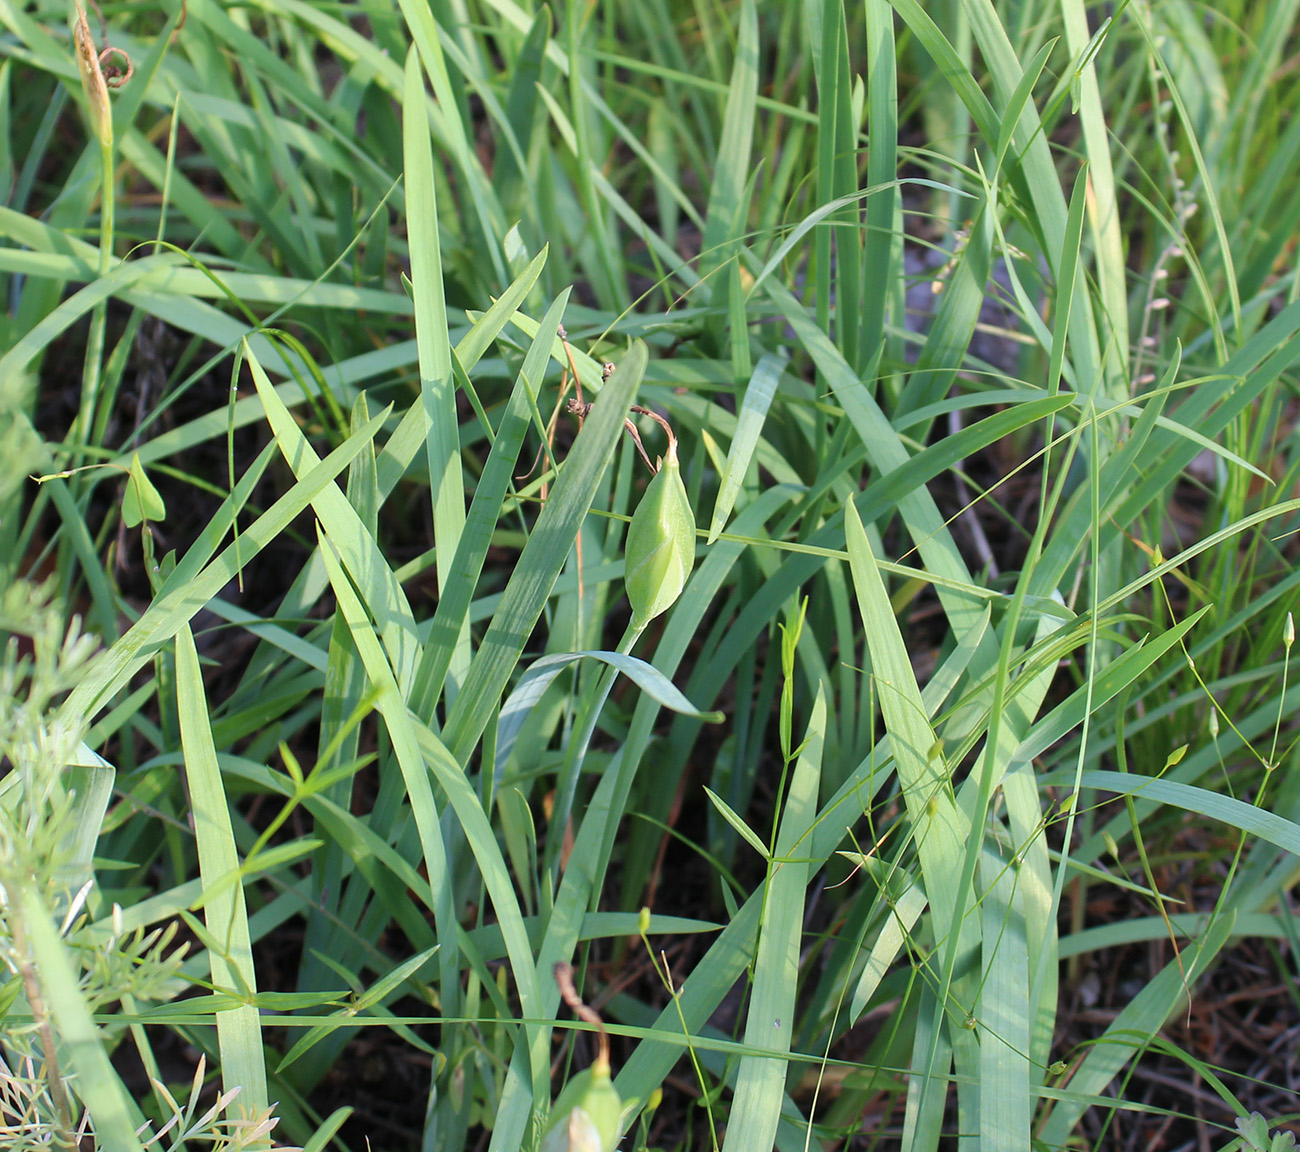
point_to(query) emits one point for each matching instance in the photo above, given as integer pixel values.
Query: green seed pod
(586, 1115)
(660, 543)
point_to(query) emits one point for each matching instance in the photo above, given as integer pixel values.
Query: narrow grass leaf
(939, 828)
(239, 1033)
(732, 164)
(769, 1024)
(904, 911)
(1005, 1100)
(542, 558)
(882, 249)
(749, 427)
(752, 838)
(542, 673)
(452, 613)
(521, 105)
(1103, 203)
(97, 1081)
(355, 543)
(1247, 818)
(437, 392)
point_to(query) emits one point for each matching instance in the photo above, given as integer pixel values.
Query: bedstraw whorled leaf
(660, 543)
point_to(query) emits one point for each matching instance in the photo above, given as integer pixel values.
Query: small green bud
(586, 1115)
(660, 548)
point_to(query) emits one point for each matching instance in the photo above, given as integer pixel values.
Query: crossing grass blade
(542, 557)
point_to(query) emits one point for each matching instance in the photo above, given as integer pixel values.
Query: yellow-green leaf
(141, 500)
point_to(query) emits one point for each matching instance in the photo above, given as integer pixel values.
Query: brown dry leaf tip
(92, 80)
(95, 79)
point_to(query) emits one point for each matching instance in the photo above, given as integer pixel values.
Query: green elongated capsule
(586, 1114)
(660, 543)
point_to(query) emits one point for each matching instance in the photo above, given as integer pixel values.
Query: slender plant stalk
(100, 109)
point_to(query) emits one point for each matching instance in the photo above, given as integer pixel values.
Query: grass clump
(936, 790)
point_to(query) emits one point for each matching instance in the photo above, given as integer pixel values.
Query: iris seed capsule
(660, 548)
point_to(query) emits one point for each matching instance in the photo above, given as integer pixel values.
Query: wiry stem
(564, 980)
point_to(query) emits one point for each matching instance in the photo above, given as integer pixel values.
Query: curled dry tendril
(115, 64)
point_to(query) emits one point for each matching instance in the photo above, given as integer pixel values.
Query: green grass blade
(239, 1033)
(437, 391)
(1005, 1102)
(356, 545)
(98, 1084)
(725, 214)
(452, 614)
(749, 428)
(760, 1080)
(542, 558)
(939, 828)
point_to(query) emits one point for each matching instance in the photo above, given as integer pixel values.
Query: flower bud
(660, 548)
(587, 1114)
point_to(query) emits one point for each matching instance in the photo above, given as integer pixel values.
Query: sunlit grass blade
(437, 391)
(940, 829)
(98, 1084)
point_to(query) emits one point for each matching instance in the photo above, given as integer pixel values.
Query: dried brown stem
(564, 981)
(577, 408)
